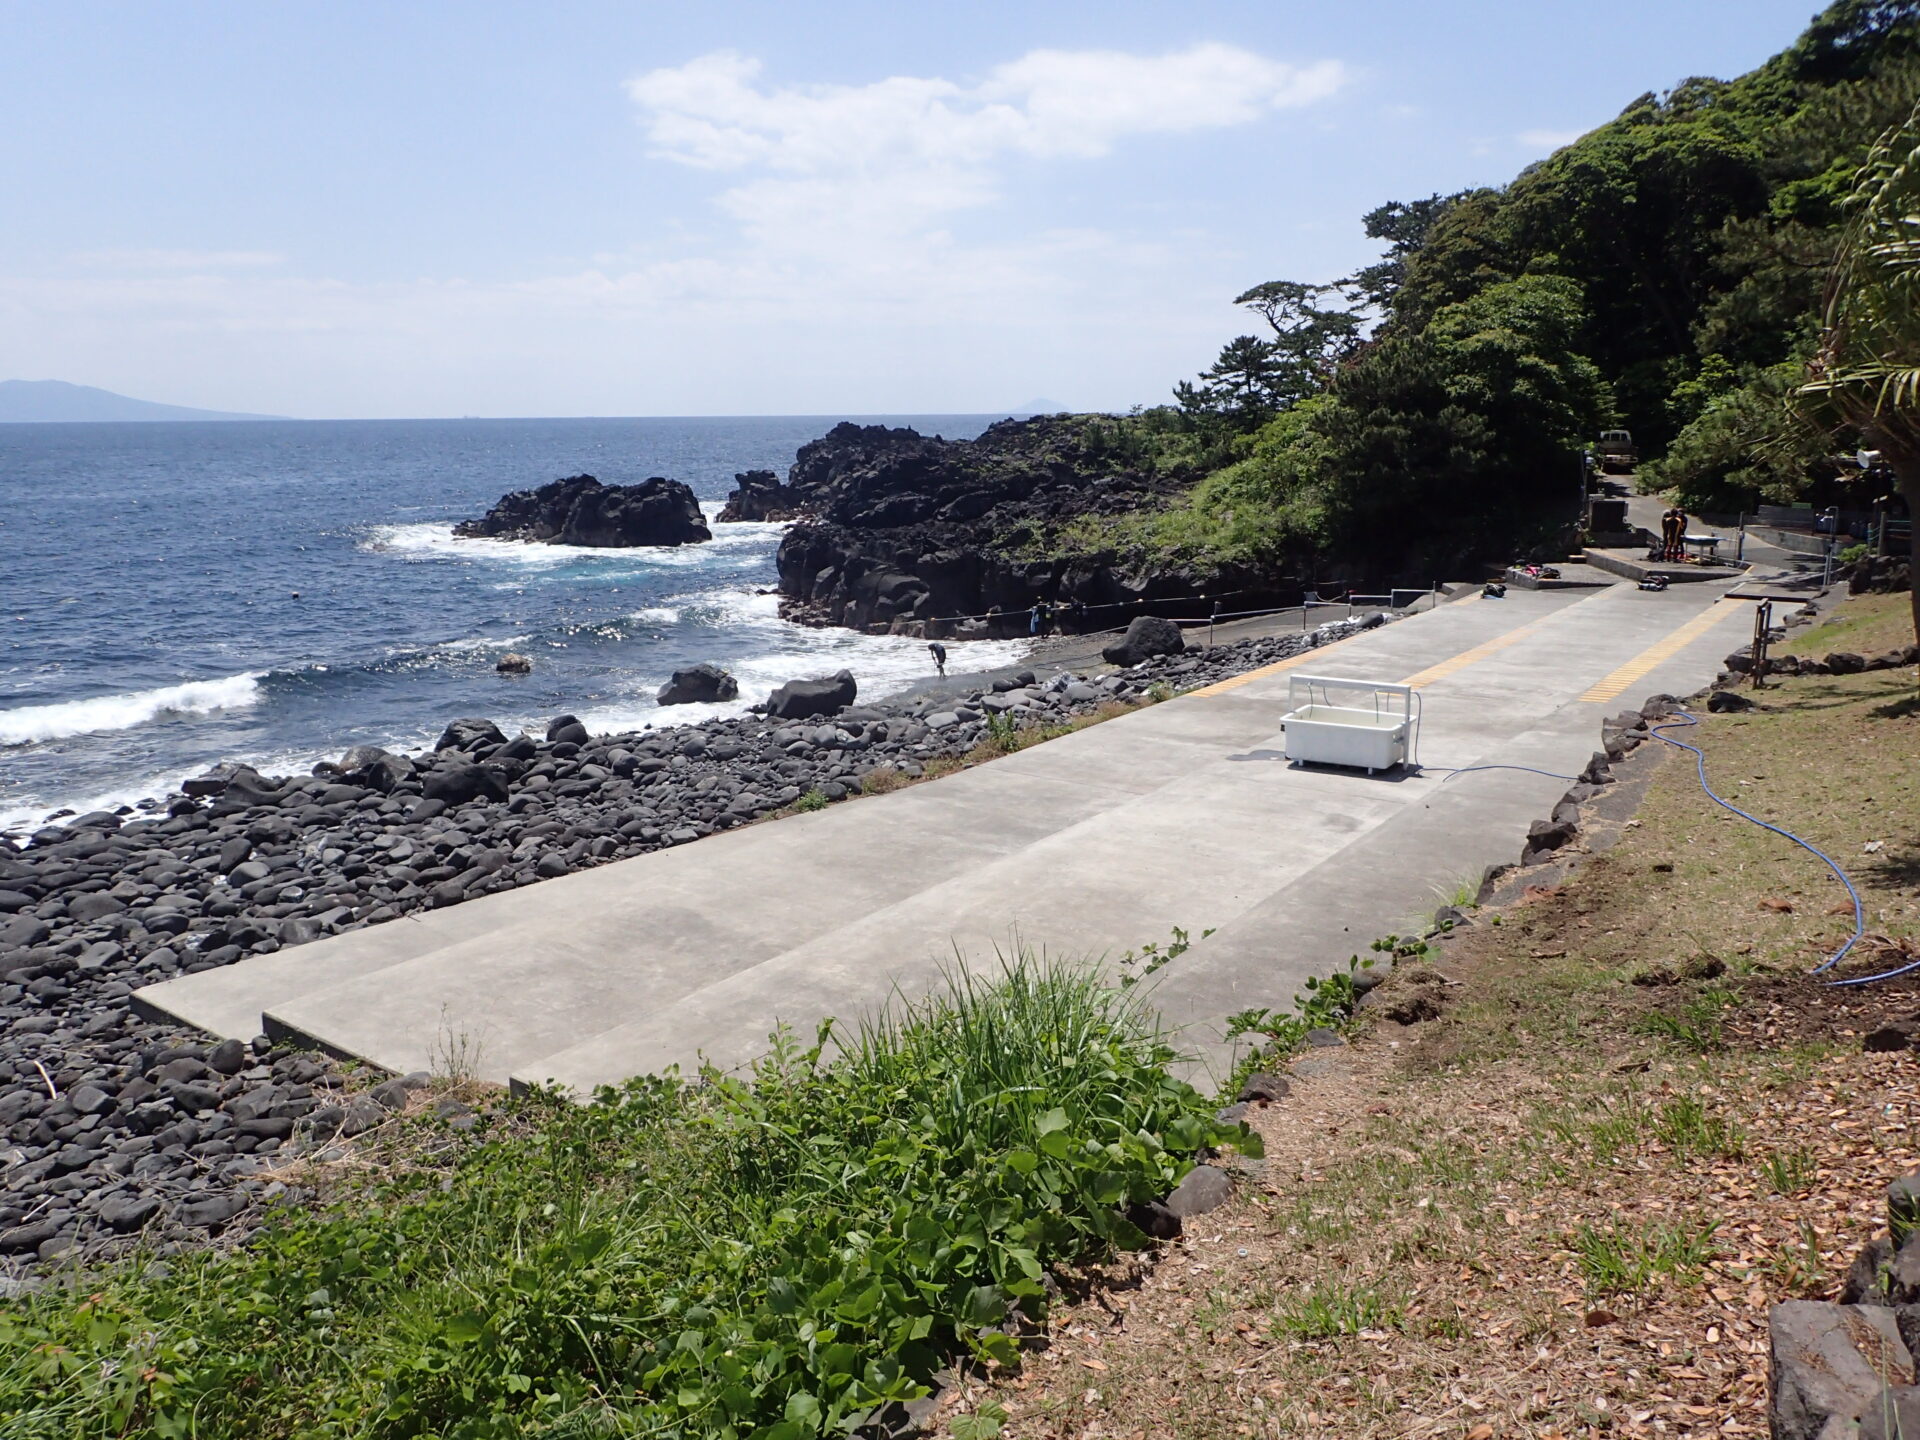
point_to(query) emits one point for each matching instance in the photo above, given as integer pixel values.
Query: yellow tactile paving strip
(1454, 664)
(1279, 667)
(1609, 687)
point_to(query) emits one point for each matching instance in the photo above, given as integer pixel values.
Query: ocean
(177, 594)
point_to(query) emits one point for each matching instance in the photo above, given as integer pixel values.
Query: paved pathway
(1182, 814)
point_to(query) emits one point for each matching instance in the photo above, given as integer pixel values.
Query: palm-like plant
(1866, 372)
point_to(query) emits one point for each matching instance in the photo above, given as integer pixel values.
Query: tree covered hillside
(1664, 273)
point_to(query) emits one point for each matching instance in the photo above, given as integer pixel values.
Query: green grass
(1697, 1027)
(1689, 1129)
(1788, 1172)
(1626, 1121)
(720, 1259)
(1327, 1310)
(1623, 1261)
(1866, 624)
(1326, 1004)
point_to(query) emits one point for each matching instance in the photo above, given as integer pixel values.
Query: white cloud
(1548, 140)
(711, 112)
(902, 151)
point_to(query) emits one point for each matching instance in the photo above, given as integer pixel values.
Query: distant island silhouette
(28, 401)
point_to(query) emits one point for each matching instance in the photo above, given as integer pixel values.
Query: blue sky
(584, 208)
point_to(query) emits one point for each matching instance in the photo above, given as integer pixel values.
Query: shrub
(721, 1259)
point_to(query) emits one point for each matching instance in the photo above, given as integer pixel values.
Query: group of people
(1041, 620)
(1673, 535)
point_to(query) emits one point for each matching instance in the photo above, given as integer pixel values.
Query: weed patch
(1617, 1260)
(1137, 965)
(1788, 1172)
(1689, 1130)
(1327, 1004)
(1696, 1027)
(884, 780)
(1329, 1310)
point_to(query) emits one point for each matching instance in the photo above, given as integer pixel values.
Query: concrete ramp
(1184, 814)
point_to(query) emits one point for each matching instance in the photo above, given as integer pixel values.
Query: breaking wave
(30, 724)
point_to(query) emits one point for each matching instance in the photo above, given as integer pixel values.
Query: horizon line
(710, 415)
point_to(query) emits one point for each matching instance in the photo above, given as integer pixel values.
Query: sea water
(176, 594)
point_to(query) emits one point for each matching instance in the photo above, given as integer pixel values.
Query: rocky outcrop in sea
(758, 495)
(119, 1130)
(899, 532)
(580, 510)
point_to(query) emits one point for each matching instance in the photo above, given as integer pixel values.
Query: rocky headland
(119, 1129)
(897, 532)
(580, 510)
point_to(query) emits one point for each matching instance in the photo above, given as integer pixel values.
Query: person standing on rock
(939, 652)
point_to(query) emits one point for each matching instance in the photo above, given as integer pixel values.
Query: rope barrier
(1077, 610)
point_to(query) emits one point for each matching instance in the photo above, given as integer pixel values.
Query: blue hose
(1859, 911)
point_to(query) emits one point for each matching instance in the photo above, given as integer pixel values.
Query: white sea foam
(435, 541)
(26, 815)
(482, 642)
(28, 724)
(766, 651)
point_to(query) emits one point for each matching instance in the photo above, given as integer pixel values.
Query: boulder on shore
(579, 510)
(799, 699)
(699, 685)
(213, 781)
(458, 782)
(1147, 636)
(566, 728)
(375, 768)
(471, 733)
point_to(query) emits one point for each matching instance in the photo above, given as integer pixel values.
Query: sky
(591, 208)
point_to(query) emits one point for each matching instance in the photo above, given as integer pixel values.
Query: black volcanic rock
(901, 532)
(1147, 636)
(579, 510)
(704, 683)
(801, 699)
(759, 495)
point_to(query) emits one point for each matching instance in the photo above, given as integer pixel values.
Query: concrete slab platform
(1184, 814)
(1633, 565)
